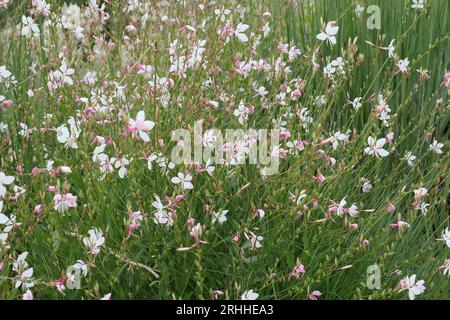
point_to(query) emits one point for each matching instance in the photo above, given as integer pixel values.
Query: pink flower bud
(353, 226)
(179, 198)
(314, 295)
(190, 222)
(37, 209)
(260, 213)
(390, 207)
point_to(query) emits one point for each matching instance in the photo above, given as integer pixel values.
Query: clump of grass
(363, 176)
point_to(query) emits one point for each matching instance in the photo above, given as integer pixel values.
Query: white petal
(141, 115)
(144, 136)
(241, 27)
(188, 185)
(3, 219)
(382, 152)
(380, 142)
(330, 30)
(8, 180)
(242, 37)
(322, 36)
(175, 180)
(149, 125)
(2, 190)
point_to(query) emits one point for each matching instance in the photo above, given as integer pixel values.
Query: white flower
(20, 266)
(338, 136)
(417, 4)
(353, 210)
(94, 241)
(423, 208)
(356, 103)
(331, 30)
(68, 137)
(106, 297)
(359, 10)
(184, 180)
(3, 127)
(414, 288)
(391, 49)
(121, 164)
(8, 224)
(446, 267)
(221, 217)
(141, 126)
(403, 65)
(96, 157)
(29, 28)
(297, 199)
(266, 29)
(375, 147)
(161, 216)
(239, 32)
(255, 241)
(410, 158)
(436, 147)
(25, 132)
(64, 73)
(366, 185)
(4, 73)
(340, 210)
(4, 181)
(242, 113)
(260, 91)
(249, 295)
(80, 265)
(446, 237)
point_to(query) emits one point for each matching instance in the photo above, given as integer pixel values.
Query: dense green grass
(148, 265)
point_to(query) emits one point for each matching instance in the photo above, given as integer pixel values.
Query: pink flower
(140, 126)
(446, 81)
(5, 103)
(298, 270)
(216, 293)
(196, 233)
(285, 134)
(400, 225)
(414, 288)
(314, 295)
(320, 178)
(364, 243)
(64, 201)
(446, 267)
(134, 222)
